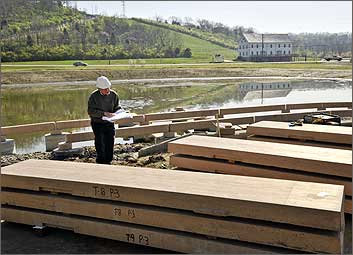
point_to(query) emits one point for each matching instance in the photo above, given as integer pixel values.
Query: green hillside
(51, 30)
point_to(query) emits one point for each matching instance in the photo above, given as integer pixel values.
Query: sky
(263, 16)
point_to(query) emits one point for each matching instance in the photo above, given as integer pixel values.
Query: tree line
(66, 33)
(54, 30)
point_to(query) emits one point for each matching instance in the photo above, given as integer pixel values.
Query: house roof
(268, 38)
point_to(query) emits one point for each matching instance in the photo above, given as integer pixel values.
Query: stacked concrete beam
(265, 159)
(176, 210)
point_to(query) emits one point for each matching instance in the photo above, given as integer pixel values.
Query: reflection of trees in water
(31, 105)
(41, 105)
(29, 142)
(170, 97)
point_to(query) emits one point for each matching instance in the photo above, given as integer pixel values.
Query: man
(103, 102)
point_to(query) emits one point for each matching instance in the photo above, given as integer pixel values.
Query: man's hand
(108, 114)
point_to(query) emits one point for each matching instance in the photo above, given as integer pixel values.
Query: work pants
(104, 141)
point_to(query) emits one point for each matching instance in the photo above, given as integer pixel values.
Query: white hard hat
(103, 82)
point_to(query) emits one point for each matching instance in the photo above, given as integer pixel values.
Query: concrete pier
(7, 146)
(53, 139)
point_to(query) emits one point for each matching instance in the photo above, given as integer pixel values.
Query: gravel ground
(123, 155)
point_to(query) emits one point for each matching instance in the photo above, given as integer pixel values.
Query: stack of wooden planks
(338, 137)
(265, 159)
(182, 211)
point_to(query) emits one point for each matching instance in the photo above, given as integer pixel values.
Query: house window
(284, 45)
(270, 45)
(257, 46)
(279, 46)
(270, 52)
(252, 46)
(252, 53)
(288, 45)
(289, 52)
(284, 52)
(257, 53)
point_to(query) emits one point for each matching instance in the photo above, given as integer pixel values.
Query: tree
(177, 52)
(187, 53)
(29, 41)
(66, 36)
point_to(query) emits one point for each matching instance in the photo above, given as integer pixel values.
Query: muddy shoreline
(26, 77)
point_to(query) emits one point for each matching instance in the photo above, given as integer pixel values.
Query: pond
(52, 103)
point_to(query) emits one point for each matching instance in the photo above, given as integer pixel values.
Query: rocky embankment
(124, 154)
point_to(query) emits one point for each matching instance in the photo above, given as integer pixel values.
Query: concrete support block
(179, 109)
(143, 138)
(169, 134)
(53, 139)
(227, 131)
(158, 148)
(7, 146)
(61, 154)
(65, 146)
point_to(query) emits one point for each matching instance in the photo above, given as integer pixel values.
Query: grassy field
(166, 63)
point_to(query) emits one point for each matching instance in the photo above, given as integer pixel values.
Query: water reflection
(254, 90)
(41, 104)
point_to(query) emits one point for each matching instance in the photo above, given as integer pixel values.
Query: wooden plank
(337, 104)
(180, 114)
(120, 132)
(79, 137)
(320, 133)
(135, 234)
(187, 125)
(290, 156)
(303, 106)
(141, 130)
(28, 128)
(262, 108)
(225, 167)
(280, 201)
(303, 239)
(66, 124)
(300, 115)
(299, 142)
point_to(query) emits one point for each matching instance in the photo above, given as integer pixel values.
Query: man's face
(104, 92)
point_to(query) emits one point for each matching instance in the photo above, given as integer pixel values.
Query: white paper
(118, 115)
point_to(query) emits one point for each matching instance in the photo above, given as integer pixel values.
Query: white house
(265, 47)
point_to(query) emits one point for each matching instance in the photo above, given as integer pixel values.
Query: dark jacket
(98, 104)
